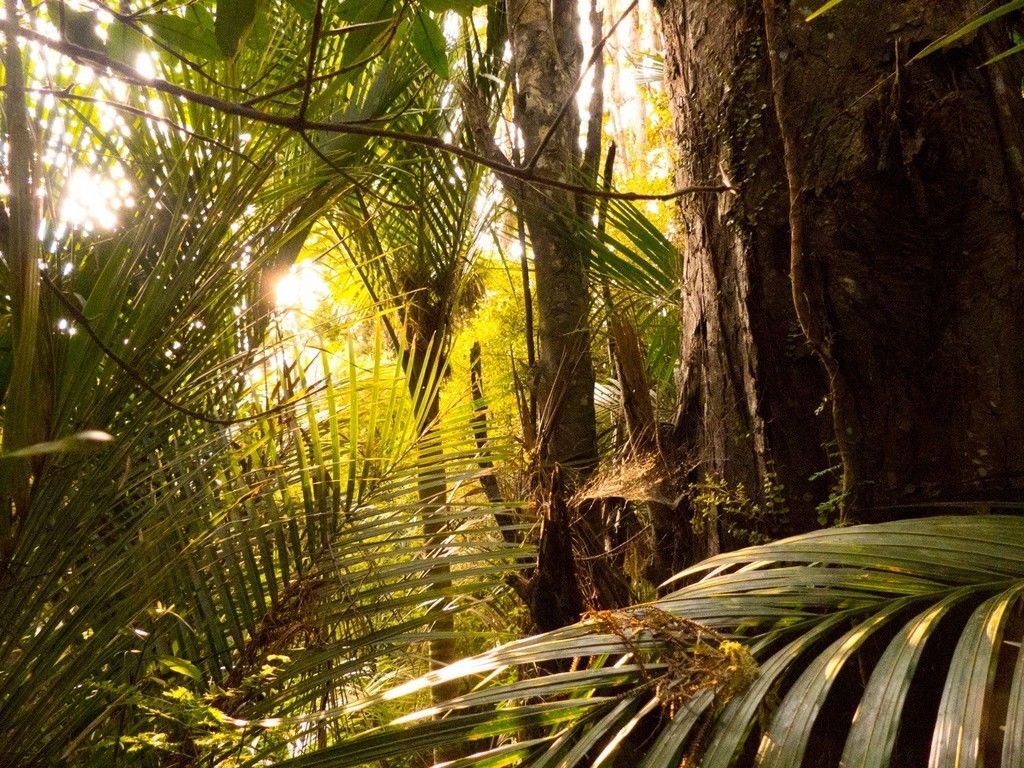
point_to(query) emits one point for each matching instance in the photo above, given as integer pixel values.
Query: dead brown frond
(696, 657)
(636, 479)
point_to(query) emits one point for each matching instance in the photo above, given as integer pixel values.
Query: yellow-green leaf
(233, 21)
(180, 666)
(428, 40)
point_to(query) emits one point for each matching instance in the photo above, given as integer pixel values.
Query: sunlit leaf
(972, 26)
(124, 43)
(428, 40)
(823, 9)
(81, 442)
(232, 22)
(180, 666)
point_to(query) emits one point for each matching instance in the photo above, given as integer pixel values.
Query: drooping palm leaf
(874, 645)
(631, 253)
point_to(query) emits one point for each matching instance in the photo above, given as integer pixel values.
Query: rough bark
(546, 60)
(856, 301)
(546, 55)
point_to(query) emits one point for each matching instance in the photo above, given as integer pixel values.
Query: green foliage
(428, 40)
(982, 19)
(242, 575)
(232, 22)
(745, 520)
(830, 511)
(192, 34)
(124, 43)
(174, 721)
(247, 551)
(973, 26)
(461, 7)
(862, 615)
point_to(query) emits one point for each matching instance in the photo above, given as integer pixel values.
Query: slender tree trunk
(856, 302)
(432, 490)
(546, 55)
(546, 58)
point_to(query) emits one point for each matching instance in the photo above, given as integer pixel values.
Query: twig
(314, 45)
(297, 123)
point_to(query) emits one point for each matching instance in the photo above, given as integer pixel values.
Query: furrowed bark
(739, 333)
(855, 305)
(546, 59)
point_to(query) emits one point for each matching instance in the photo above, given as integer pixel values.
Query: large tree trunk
(857, 301)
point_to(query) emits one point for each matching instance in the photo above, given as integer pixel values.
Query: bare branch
(314, 45)
(297, 123)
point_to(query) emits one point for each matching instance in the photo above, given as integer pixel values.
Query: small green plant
(173, 712)
(746, 520)
(830, 511)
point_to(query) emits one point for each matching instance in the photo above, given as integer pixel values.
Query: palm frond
(914, 622)
(246, 547)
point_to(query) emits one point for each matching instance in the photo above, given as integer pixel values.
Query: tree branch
(314, 44)
(297, 123)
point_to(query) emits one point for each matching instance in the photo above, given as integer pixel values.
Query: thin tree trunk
(855, 304)
(432, 490)
(546, 57)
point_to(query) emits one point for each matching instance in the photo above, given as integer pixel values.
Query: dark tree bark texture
(857, 301)
(546, 59)
(546, 54)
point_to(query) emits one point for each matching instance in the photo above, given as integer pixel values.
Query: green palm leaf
(201, 579)
(884, 595)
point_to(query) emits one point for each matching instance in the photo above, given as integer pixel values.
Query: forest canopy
(512, 382)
